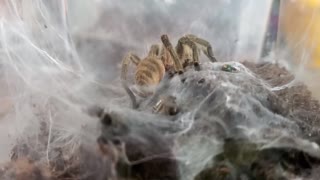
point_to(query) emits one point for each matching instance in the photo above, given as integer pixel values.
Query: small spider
(228, 68)
(166, 105)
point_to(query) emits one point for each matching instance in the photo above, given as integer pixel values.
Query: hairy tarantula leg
(167, 44)
(166, 59)
(130, 57)
(133, 98)
(124, 70)
(208, 52)
(190, 43)
(163, 86)
(154, 50)
(135, 59)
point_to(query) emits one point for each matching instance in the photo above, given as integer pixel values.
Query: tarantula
(151, 69)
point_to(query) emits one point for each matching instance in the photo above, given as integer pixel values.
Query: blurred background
(299, 40)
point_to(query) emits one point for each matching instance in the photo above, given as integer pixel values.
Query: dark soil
(305, 109)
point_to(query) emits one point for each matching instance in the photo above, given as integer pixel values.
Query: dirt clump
(305, 109)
